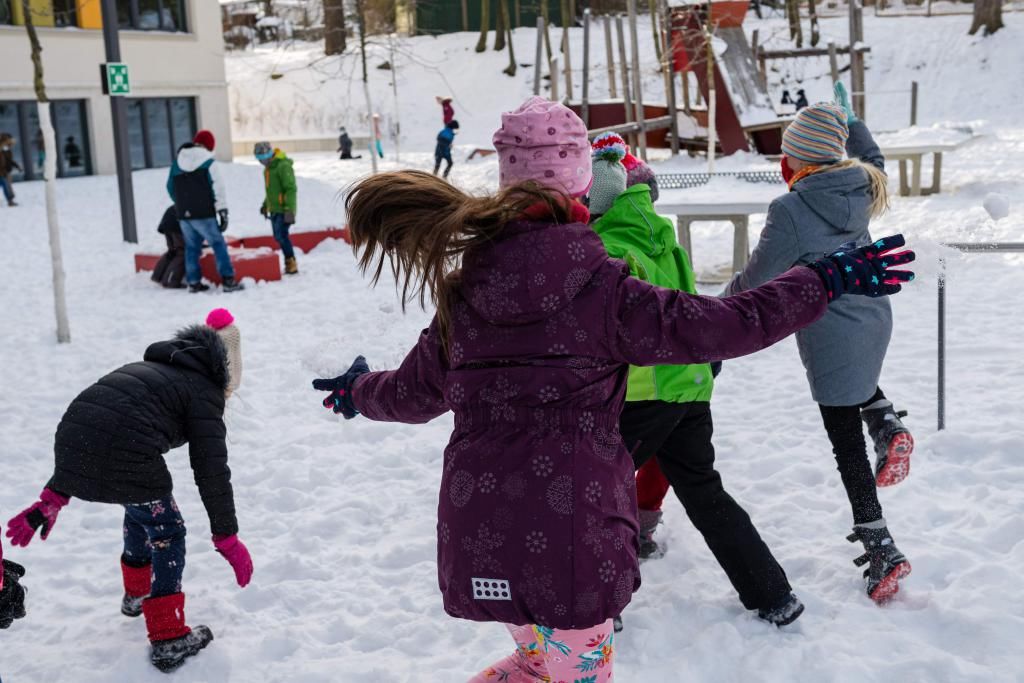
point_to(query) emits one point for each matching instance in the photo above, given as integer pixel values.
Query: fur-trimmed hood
(197, 348)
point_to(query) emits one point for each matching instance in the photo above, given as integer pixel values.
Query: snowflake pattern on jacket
(537, 488)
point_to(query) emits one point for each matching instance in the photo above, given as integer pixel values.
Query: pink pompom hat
(221, 320)
(546, 142)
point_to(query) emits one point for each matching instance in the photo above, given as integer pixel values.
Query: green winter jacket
(279, 179)
(633, 232)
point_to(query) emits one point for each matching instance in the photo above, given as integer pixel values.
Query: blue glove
(865, 270)
(842, 98)
(340, 399)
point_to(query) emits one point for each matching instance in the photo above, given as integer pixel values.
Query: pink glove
(237, 555)
(42, 513)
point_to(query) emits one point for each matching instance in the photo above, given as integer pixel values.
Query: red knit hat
(206, 139)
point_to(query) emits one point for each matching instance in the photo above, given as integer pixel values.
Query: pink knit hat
(546, 142)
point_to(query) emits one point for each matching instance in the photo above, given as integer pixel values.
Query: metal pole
(585, 105)
(119, 120)
(942, 346)
(913, 103)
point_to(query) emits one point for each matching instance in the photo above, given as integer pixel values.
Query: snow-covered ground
(339, 516)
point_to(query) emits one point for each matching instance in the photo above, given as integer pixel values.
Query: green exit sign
(115, 79)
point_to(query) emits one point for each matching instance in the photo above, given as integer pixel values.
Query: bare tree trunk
(652, 7)
(812, 9)
(334, 27)
(60, 304)
(485, 25)
(511, 68)
(796, 33)
(500, 22)
(361, 12)
(987, 13)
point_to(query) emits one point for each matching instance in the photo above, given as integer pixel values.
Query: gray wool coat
(843, 351)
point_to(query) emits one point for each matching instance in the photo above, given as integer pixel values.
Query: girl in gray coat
(828, 207)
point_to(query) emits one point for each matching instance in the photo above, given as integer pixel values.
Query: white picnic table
(734, 201)
(912, 145)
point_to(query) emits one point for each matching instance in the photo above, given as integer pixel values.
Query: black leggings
(679, 436)
(846, 433)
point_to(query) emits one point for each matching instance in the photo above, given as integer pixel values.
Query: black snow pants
(679, 436)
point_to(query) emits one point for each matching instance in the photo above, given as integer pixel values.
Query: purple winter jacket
(537, 511)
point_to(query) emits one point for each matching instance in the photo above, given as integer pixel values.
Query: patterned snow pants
(155, 533)
(555, 656)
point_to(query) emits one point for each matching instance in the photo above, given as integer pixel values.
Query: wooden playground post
(568, 64)
(539, 56)
(585, 104)
(465, 15)
(553, 77)
(857, 58)
(670, 81)
(638, 90)
(913, 103)
(612, 94)
(833, 60)
(624, 68)
(710, 58)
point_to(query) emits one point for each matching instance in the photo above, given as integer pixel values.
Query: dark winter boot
(198, 287)
(886, 564)
(893, 442)
(232, 285)
(137, 581)
(173, 642)
(291, 267)
(786, 612)
(650, 549)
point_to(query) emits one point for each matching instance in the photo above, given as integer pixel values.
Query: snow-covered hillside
(340, 516)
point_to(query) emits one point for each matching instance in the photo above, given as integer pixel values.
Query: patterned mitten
(340, 400)
(865, 270)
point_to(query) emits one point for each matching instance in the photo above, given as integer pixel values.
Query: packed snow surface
(339, 516)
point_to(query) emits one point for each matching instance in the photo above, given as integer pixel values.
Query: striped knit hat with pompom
(609, 173)
(817, 135)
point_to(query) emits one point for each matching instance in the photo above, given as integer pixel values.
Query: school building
(174, 50)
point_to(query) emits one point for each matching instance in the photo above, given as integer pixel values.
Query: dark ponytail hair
(422, 225)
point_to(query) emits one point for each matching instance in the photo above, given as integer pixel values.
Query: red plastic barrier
(306, 240)
(259, 264)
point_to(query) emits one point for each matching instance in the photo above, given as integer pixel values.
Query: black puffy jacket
(110, 443)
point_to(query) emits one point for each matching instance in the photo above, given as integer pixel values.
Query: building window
(21, 119)
(6, 12)
(157, 127)
(65, 13)
(151, 15)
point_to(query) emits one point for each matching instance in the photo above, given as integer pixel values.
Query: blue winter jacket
(843, 351)
(195, 183)
(444, 142)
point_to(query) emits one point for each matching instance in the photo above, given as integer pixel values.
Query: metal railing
(682, 181)
(968, 248)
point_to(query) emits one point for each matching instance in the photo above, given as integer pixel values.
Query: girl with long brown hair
(534, 333)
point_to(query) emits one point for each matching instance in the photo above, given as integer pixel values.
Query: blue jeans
(281, 234)
(196, 230)
(8, 190)
(155, 532)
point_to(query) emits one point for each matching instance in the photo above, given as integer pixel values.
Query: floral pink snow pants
(555, 656)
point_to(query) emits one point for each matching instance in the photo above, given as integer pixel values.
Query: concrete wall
(161, 65)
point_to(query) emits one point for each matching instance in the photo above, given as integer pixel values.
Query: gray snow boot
(893, 442)
(168, 655)
(650, 549)
(886, 564)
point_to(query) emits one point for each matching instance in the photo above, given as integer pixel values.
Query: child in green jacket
(281, 199)
(667, 417)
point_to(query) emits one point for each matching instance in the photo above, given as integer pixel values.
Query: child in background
(170, 269)
(8, 165)
(667, 416)
(829, 206)
(443, 150)
(109, 448)
(530, 348)
(281, 199)
(345, 145)
(447, 111)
